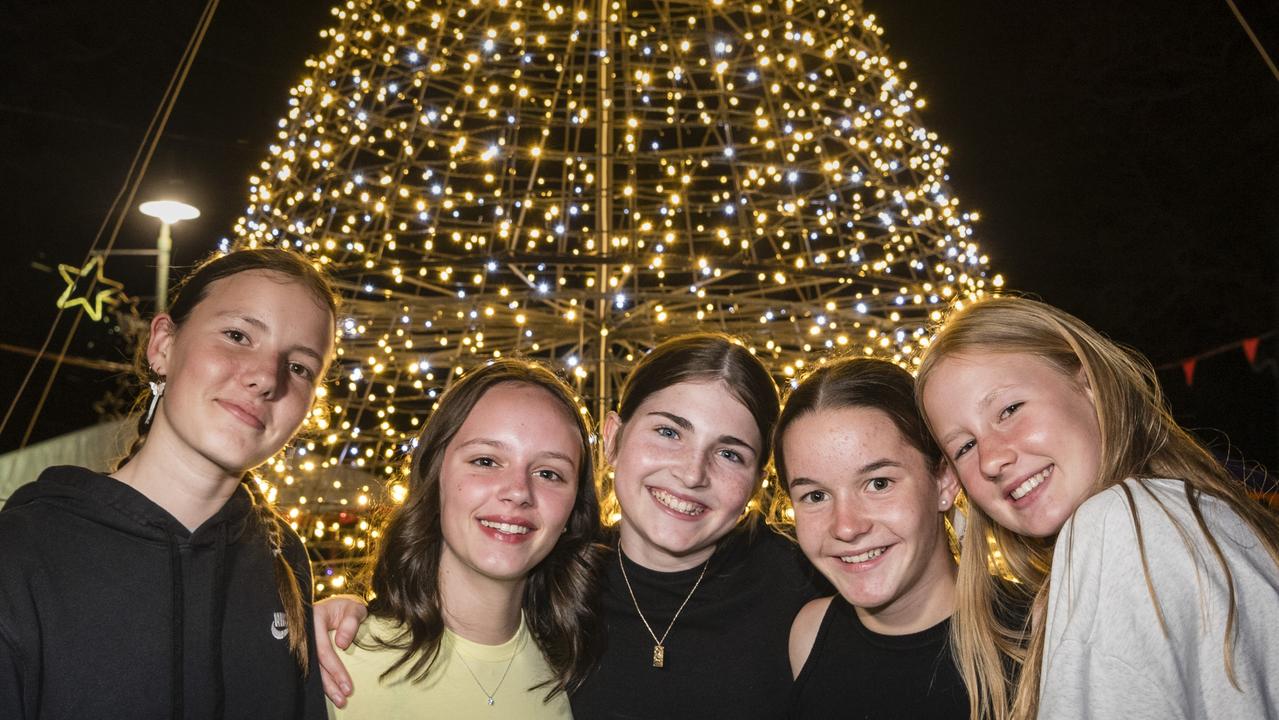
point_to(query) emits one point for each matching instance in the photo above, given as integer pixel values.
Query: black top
(853, 672)
(726, 657)
(110, 608)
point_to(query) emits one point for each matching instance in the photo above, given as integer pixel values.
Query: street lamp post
(168, 212)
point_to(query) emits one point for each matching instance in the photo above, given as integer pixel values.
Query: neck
(647, 555)
(188, 489)
(931, 600)
(482, 610)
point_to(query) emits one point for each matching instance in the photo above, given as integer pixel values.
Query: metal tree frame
(577, 181)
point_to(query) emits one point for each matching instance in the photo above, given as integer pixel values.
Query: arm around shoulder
(803, 632)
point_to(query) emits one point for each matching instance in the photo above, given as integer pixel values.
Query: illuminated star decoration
(73, 275)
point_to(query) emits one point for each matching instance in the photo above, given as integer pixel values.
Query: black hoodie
(110, 608)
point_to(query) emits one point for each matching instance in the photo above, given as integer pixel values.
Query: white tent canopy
(93, 447)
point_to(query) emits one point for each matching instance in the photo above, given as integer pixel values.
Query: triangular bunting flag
(1250, 350)
(1188, 367)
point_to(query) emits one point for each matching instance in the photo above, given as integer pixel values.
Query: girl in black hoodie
(169, 588)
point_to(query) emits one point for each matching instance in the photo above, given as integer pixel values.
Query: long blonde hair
(999, 647)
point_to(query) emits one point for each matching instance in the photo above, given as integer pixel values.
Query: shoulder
(1113, 515)
(803, 632)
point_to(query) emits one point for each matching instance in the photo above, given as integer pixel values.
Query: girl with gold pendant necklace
(698, 597)
(485, 579)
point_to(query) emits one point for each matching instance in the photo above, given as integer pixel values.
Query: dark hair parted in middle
(857, 382)
(561, 593)
(706, 357)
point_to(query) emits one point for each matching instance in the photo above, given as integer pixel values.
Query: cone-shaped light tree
(575, 181)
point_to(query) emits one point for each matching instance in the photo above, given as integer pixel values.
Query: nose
(850, 521)
(994, 454)
(263, 376)
(516, 488)
(692, 470)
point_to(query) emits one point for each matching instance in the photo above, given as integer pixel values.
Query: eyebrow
(257, 323)
(878, 465)
(555, 454)
(685, 424)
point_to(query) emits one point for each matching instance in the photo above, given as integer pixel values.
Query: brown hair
(857, 382)
(190, 293)
(562, 591)
(702, 357)
(999, 658)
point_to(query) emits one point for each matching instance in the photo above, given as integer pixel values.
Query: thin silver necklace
(659, 645)
(490, 695)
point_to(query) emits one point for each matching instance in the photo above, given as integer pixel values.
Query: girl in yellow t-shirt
(482, 583)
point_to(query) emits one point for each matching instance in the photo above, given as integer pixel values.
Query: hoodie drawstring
(219, 611)
(176, 689)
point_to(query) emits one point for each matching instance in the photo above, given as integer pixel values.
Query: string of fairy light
(574, 181)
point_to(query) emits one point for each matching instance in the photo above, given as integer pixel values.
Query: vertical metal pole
(603, 199)
(163, 245)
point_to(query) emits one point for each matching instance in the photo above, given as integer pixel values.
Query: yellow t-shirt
(450, 691)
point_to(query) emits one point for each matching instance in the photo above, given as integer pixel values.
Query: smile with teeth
(864, 557)
(684, 507)
(507, 528)
(1031, 483)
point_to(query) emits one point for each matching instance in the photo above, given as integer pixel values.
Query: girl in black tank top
(870, 493)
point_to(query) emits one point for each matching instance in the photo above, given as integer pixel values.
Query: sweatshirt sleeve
(1104, 652)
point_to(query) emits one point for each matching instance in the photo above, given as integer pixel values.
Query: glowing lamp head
(169, 212)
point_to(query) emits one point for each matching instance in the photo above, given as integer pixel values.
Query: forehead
(705, 400)
(264, 290)
(525, 415)
(285, 306)
(832, 440)
(967, 382)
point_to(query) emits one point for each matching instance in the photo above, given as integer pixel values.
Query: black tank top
(853, 672)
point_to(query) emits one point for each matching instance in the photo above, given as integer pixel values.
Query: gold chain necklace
(659, 648)
(510, 661)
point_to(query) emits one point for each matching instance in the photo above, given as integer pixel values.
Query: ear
(1081, 377)
(612, 435)
(163, 331)
(947, 486)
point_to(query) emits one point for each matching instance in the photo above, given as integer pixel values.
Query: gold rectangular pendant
(659, 656)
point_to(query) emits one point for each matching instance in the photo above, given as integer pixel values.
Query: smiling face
(867, 514)
(1022, 436)
(508, 482)
(685, 465)
(241, 371)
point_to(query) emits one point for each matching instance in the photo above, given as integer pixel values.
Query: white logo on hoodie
(279, 626)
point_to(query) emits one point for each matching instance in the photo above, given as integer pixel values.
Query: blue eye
(732, 456)
(667, 431)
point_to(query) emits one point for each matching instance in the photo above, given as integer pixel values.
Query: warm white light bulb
(169, 212)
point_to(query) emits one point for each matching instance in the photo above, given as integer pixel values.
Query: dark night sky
(1124, 157)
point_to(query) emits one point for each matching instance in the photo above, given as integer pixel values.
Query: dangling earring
(157, 391)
